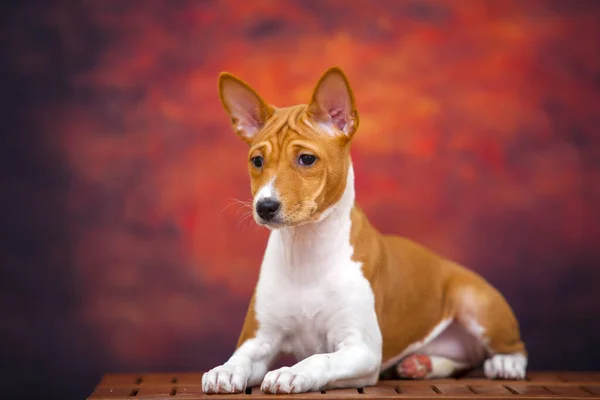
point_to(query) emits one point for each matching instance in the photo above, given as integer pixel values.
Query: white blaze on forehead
(268, 190)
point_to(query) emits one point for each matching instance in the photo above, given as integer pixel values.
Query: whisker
(244, 217)
(243, 204)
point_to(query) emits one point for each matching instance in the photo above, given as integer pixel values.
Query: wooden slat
(568, 391)
(380, 392)
(159, 379)
(412, 389)
(453, 389)
(112, 393)
(189, 378)
(490, 389)
(120, 379)
(188, 392)
(154, 392)
(528, 389)
(539, 385)
(344, 393)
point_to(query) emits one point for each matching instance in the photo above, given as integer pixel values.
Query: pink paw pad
(416, 366)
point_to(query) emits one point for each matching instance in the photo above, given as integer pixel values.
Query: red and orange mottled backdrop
(123, 247)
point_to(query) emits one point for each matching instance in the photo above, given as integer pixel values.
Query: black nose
(267, 208)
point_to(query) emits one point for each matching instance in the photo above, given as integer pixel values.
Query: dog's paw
(505, 366)
(225, 379)
(287, 380)
(416, 366)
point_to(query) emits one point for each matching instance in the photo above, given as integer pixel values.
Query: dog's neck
(311, 246)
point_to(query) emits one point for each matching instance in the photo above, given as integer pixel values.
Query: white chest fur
(313, 301)
(311, 291)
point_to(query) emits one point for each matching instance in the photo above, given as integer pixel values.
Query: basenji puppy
(344, 299)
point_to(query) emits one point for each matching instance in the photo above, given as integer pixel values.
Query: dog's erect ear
(247, 109)
(332, 104)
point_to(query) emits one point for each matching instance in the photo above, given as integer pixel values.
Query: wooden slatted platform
(538, 385)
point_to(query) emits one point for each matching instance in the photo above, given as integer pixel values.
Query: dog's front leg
(246, 367)
(354, 364)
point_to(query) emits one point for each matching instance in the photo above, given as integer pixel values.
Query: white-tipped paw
(506, 366)
(287, 380)
(225, 379)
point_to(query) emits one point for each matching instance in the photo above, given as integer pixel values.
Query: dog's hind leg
(485, 314)
(454, 351)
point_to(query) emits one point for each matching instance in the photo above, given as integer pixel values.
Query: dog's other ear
(247, 110)
(332, 104)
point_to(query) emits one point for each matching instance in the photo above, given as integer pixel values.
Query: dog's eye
(257, 161)
(306, 159)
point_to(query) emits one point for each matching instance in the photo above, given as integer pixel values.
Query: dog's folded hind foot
(416, 366)
(424, 366)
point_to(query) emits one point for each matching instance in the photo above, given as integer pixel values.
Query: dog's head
(299, 156)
